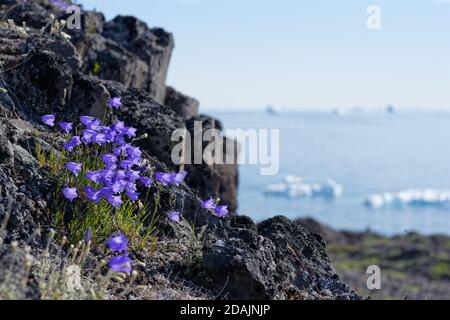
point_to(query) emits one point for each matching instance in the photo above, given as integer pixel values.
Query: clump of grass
(73, 274)
(441, 271)
(53, 162)
(96, 69)
(137, 220)
(195, 246)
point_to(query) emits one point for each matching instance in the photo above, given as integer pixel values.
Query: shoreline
(413, 266)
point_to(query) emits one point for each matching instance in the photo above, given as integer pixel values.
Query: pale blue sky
(303, 54)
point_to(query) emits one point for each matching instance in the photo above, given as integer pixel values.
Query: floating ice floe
(412, 197)
(296, 187)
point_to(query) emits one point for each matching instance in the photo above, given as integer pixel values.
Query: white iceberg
(296, 187)
(411, 197)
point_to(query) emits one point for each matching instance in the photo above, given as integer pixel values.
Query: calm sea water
(368, 153)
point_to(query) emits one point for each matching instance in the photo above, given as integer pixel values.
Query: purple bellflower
(114, 200)
(221, 211)
(164, 178)
(70, 193)
(118, 243)
(92, 194)
(74, 167)
(66, 126)
(178, 178)
(49, 120)
(109, 159)
(209, 204)
(72, 143)
(87, 235)
(173, 216)
(115, 102)
(86, 120)
(146, 181)
(61, 4)
(120, 263)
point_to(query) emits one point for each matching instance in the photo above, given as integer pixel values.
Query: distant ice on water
(411, 197)
(296, 187)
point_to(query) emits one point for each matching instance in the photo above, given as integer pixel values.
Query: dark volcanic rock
(88, 97)
(21, 183)
(275, 260)
(324, 231)
(184, 106)
(47, 79)
(152, 46)
(61, 47)
(216, 179)
(33, 13)
(108, 60)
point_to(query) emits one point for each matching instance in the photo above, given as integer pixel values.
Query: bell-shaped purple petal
(109, 159)
(92, 194)
(120, 264)
(87, 136)
(70, 193)
(107, 175)
(178, 178)
(121, 175)
(49, 120)
(125, 164)
(146, 181)
(66, 126)
(120, 150)
(120, 139)
(129, 132)
(209, 204)
(118, 126)
(74, 167)
(115, 102)
(173, 216)
(133, 195)
(164, 178)
(117, 187)
(88, 235)
(72, 143)
(99, 138)
(118, 243)
(95, 176)
(86, 119)
(133, 175)
(133, 152)
(221, 211)
(114, 200)
(94, 125)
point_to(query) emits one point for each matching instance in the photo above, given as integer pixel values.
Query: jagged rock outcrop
(219, 179)
(275, 259)
(43, 72)
(23, 188)
(152, 46)
(326, 232)
(184, 106)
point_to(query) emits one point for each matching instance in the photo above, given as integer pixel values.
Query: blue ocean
(367, 153)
